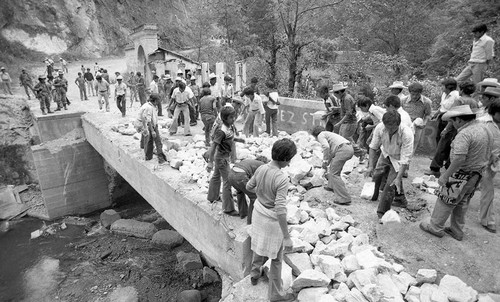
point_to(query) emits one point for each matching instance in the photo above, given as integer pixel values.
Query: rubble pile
(333, 260)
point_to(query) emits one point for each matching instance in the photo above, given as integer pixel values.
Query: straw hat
(489, 82)
(493, 91)
(212, 76)
(338, 87)
(397, 84)
(457, 111)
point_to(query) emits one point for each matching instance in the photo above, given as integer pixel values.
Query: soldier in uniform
(61, 85)
(42, 93)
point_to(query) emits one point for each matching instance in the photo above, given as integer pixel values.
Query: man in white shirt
(182, 97)
(120, 91)
(393, 103)
(482, 54)
(148, 115)
(397, 89)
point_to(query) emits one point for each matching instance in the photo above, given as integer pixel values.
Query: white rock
(336, 249)
(331, 214)
(390, 216)
(297, 169)
(299, 262)
(400, 283)
(354, 231)
(417, 182)
(310, 278)
(346, 238)
(398, 267)
(319, 248)
(298, 245)
(431, 184)
(413, 294)
(317, 213)
(348, 219)
(339, 226)
(485, 298)
(303, 216)
(439, 296)
(198, 138)
(355, 295)
(366, 259)
(327, 298)
(350, 264)
(294, 200)
(426, 291)
(456, 290)
(361, 239)
(330, 266)
(341, 292)
(362, 278)
(426, 276)
(388, 288)
(309, 235)
(327, 239)
(292, 214)
(305, 206)
(372, 292)
(324, 226)
(367, 191)
(313, 294)
(175, 163)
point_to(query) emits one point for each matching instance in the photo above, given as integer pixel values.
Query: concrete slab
(222, 240)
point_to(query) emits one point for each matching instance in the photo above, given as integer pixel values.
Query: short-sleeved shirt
(102, 86)
(121, 89)
(420, 108)
(472, 141)
(249, 166)
(80, 81)
(207, 105)
(153, 86)
(376, 113)
(223, 137)
(348, 109)
(398, 147)
(271, 186)
(181, 97)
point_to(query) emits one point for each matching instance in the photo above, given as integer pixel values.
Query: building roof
(175, 54)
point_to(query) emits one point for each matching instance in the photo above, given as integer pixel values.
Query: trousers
(442, 156)
(208, 122)
(83, 93)
(275, 282)
(347, 131)
(30, 86)
(121, 103)
(335, 182)
(44, 102)
(271, 121)
(221, 171)
(254, 119)
(6, 87)
(457, 212)
(148, 142)
(385, 169)
(239, 180)
(184, 109)
(486, 213)
(102, 98)
(474, 70)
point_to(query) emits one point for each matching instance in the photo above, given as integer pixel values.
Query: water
(31, 269)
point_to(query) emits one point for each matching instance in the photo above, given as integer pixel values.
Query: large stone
(168, 238)
(244, 291)
(323, 226)
(439, 296)
(339, 226)
(298, 245)
(313, 294)
(354, 231)
(299, 262)
(348, 219)
(297, 169)
(361, 239)
(389, 290)
(176, 163)
(331, 214)
(485, 298)
(310, 278)
(362, 278)
(366, 259)
(191, 295)
(331, 267)
(426, 291)
(336, 249)
(210, 276)
(189, 261)
(327, 298)
(124, 294)
(341, 292)
(304, 216)
(403, 281)
(108, 217)
(426, 276)
(355, 296)
(317, 213)
(456, 290)
(134, 228)
(372, 292)
(292, 214)
(413, 294)
(350, 264)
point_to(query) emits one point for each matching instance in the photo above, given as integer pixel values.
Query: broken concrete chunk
(426, 291)
(339, 226)
(413, 294)
(350, 264)
(292, 214)
(354, 231)
(310, 278)
(330, 266)
(313, 294)
(167, 238)
(398, 267)
(331, 214)
(456, 290)
(388, 288)
(108, 217)
(189, 261)
(134, 228)
(362, 278)
(348, 219)
(439, 296)
(366, 259)
(299, 262)
(317, 213)
(304, 205)
(326, 298)
(336, 249)
(355, 296)
(360, 240)
(304, 216)
(426, 276)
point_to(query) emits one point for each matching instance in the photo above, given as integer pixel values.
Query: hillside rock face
(83, 28)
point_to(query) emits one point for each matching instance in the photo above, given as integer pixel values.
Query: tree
(296, 18)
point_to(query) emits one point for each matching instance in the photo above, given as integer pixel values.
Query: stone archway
(142, 63)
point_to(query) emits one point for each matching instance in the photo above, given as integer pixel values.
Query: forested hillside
(288, 41)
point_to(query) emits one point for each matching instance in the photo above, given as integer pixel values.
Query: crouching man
(336, 151)
(469, 156)
(148, 115)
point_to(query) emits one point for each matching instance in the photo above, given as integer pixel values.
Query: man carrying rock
(148, 115)
(470, 154)
(26, 82)
(336, 151)
(42, 93)
(395, 140)
(61, 85)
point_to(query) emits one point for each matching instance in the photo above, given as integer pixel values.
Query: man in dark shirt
(89, 80)
(239, 176)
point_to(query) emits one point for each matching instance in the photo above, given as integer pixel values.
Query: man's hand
(369, 127)
(443, 180)
(210, 166)
(369, 172)
(398, 183)
(287, 244)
